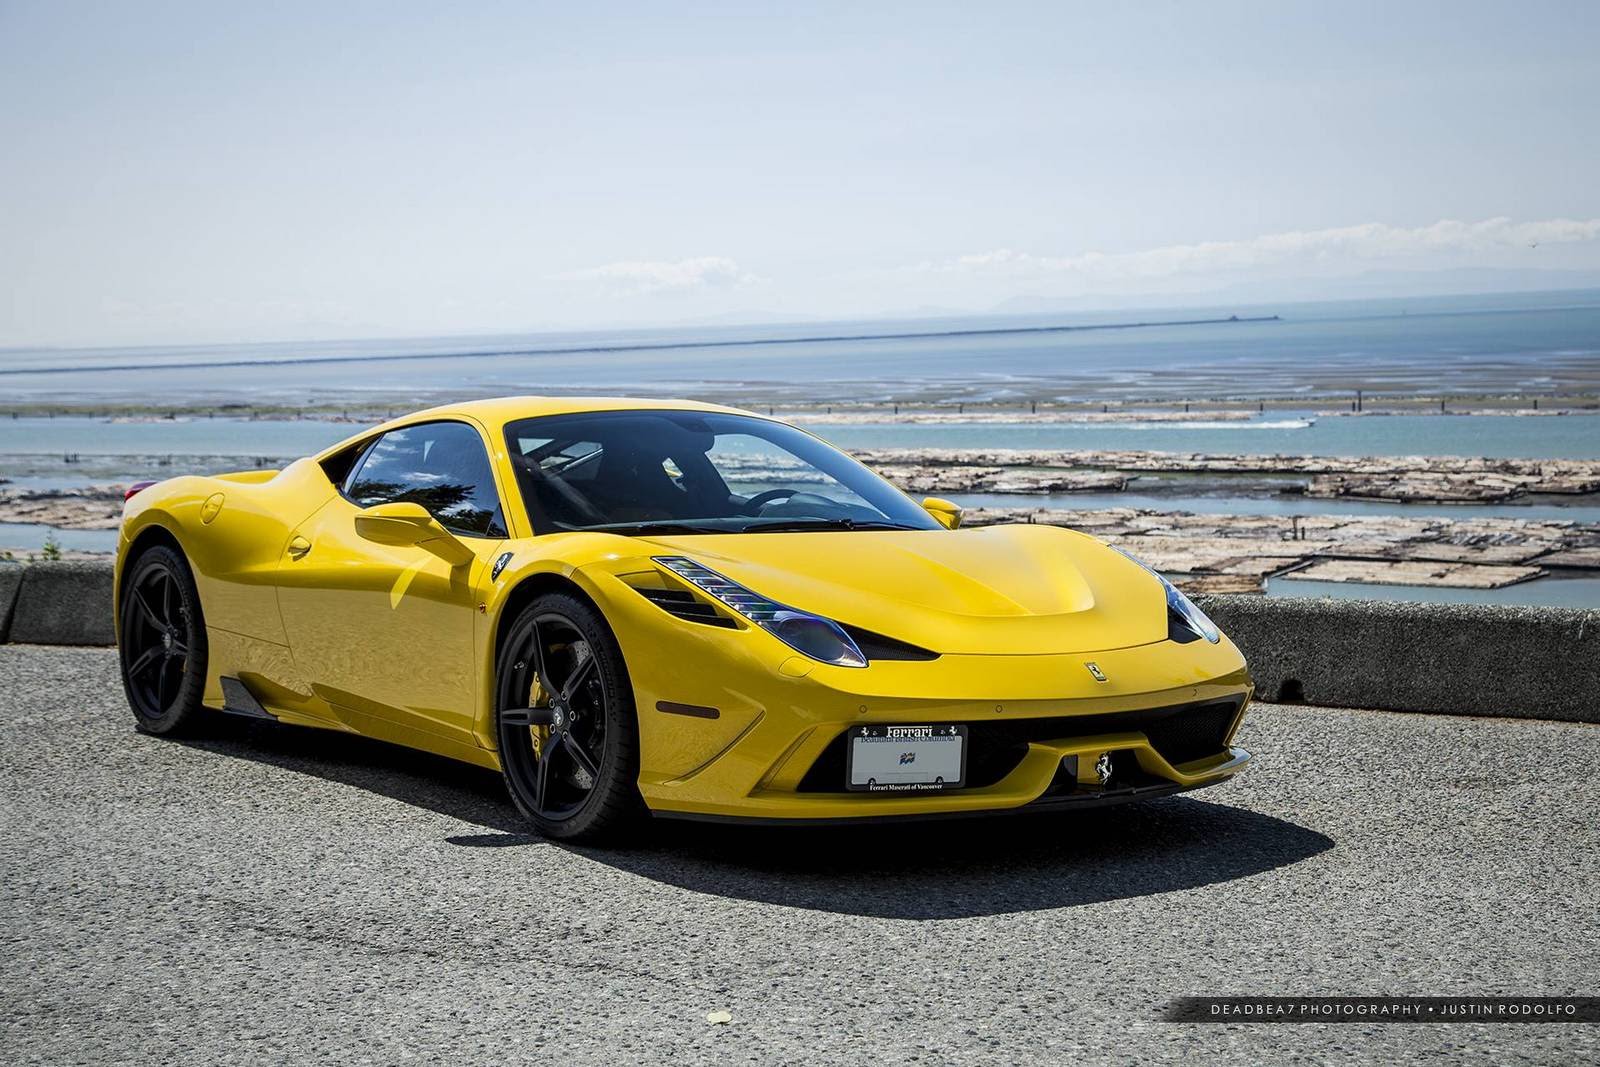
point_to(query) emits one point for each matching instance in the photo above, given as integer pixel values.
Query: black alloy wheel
(162, 642)
(568, 737)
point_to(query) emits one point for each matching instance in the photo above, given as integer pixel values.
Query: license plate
(906, 759)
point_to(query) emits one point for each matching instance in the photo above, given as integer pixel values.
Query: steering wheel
(761, 500)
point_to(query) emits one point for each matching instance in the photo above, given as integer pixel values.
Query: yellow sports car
(633, 606)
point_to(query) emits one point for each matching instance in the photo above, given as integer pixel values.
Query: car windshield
(647, 472)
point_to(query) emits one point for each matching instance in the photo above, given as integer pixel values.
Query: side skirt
(238, 700)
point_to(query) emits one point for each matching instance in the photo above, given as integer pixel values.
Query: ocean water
(1277, 432)
(89, 435)
(1543, 437)
(1527, 342)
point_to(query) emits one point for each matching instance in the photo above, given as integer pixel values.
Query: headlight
(1185, 621)
(812, 635)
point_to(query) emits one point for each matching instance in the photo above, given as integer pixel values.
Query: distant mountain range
(1466, 281)
(1369, 285)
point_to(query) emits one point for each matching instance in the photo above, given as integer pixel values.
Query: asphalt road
(278, 894)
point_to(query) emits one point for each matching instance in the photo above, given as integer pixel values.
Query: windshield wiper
(648, 529)
(799, 524)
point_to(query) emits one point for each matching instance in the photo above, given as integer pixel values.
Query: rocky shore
(1238, 553)
(95, 507)
(1453, 479)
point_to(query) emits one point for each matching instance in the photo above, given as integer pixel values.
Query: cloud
(685, 275)
(1314, 249)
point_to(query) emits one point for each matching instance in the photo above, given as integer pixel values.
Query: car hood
(990, 591)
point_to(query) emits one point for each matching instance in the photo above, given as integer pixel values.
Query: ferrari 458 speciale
(631, 607)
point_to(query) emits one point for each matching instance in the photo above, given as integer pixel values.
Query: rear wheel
(569, 738)
(162, 642)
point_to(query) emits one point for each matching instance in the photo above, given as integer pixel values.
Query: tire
(162, 643)
(572, 767)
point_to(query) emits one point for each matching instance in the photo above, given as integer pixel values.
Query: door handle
(298, 547)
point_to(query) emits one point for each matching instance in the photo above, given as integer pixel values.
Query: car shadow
(964, 868)
(434, 783)
(959, 868)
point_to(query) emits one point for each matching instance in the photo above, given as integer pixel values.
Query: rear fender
(233, 529)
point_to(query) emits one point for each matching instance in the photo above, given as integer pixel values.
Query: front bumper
(1042, 771)
(767, 741)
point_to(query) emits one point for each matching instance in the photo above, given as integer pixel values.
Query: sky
(179, 173)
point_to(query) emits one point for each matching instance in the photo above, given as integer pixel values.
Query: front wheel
(569, 739)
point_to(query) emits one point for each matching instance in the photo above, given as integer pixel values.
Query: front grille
(1193, 734)
(1180, 733)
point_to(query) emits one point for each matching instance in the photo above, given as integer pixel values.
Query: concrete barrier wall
(60, 604)
(10, 582)
(1462, 659)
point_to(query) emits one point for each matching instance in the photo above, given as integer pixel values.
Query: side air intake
(876, 646)
(686, 606)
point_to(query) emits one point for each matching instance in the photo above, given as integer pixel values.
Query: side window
(440, 465)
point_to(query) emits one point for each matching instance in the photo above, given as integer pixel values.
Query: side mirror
(945, 513)
(410, 524)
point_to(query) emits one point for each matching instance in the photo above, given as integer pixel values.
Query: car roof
(493, 413)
